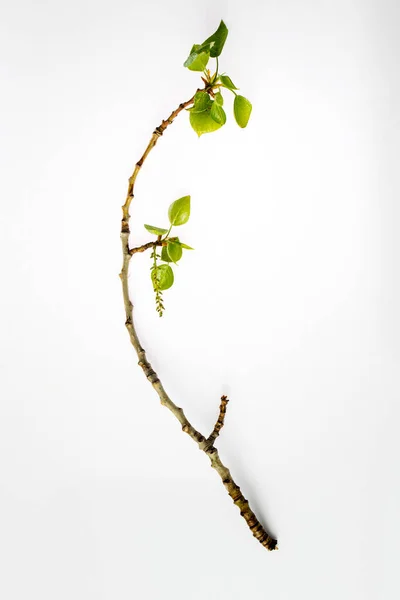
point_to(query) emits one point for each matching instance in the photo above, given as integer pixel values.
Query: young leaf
(164, 254)
(202, 101)
(197, 59)
(219, 39)
(242, 110)
(203, 122)
(204, 47)
(156, 230)
(227, 82)
(167, 255)
(219, 99)
(174, 251)
(217, 113)
(163, 275)
(179, 211)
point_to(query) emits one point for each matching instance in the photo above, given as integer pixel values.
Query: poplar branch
(232, 488)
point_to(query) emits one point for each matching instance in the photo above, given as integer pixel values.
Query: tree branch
(220, 421)
(147, 246)
(209, 449)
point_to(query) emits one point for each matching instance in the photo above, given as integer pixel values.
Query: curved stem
(206, 445)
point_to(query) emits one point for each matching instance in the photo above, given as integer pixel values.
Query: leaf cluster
(162, 275)
(207, 113)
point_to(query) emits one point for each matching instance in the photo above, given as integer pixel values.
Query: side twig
(204, 444)
(146, 247)
(220, 421)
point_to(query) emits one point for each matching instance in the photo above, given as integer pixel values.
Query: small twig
(146, 247)
(220, 421)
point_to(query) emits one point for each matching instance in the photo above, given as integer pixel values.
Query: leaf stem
(168, 232)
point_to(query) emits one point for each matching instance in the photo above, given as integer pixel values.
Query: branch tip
(220, 421)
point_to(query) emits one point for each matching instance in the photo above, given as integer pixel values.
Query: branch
(146, 246)
(220, 421)
(232, 488)
(153, 141)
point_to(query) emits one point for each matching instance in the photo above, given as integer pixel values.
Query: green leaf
(174, 251)
(227, 82)
(217, 113)
(156, 230)
(179, 211)
(200, 53)
(217, 40)
(203, 122)
(204, 47)
(202, 101)
(242, 110)
(164, 254)
(177, 241)
(167, 255)
(197, 59)
(219, 99)
(164, 276)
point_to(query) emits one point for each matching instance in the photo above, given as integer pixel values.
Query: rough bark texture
(220, 421)
(206, 445)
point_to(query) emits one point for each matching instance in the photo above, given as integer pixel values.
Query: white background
(289, 304)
